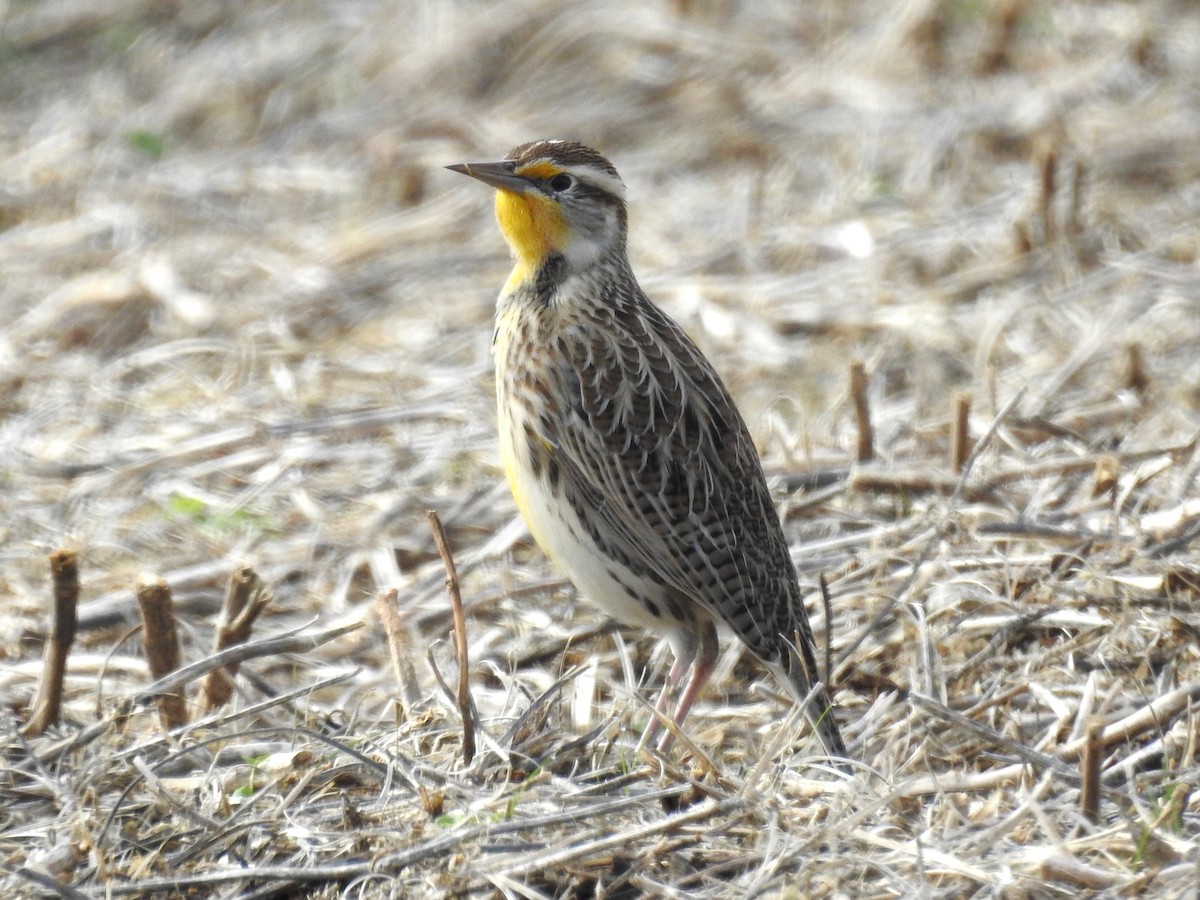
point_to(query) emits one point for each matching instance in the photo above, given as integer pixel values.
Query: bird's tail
(820, 714)
(801, 674)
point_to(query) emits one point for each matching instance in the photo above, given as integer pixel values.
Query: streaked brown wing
(653, 443)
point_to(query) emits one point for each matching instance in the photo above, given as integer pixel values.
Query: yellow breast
(514, 452)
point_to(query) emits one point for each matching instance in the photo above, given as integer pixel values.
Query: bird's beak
(498, 174)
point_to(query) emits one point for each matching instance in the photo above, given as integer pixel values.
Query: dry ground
(245, 320)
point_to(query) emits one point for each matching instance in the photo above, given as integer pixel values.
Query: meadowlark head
(556, 200)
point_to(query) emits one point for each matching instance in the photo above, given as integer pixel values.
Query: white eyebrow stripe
(598, 178)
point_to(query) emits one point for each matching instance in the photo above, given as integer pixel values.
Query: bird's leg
(683, 660)
(703, 664)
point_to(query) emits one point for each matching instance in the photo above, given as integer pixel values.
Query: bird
(625, 453)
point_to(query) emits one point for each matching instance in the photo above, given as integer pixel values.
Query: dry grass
(247, 322)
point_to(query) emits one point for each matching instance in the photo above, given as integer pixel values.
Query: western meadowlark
(626, 455)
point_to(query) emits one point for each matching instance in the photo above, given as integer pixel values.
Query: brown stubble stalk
(64, 574)
(160, 636)
(862, 412)
(1090, 763)
(960, 432)
(1136, 377)
(245, 599)
(463, 696)
(399, 646)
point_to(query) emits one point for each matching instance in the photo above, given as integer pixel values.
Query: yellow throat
(534, 227)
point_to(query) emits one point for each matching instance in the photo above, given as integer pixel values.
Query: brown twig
(160, 636)
(245, 598)
(960, 432)
(1027, 755)
(1136, 378)
(914, 481)
(47, 882)
(399, 646)
(935, 534)
(419, 851)
(460, 636)
(1049, 188)
(64, 574)
(709, 811)
(1089, 763)
(862, 412)
(1154, 716)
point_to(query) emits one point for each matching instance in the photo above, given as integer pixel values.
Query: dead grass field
(245, 320)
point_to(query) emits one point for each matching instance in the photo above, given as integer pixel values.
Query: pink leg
(702, 665)
(662, 704)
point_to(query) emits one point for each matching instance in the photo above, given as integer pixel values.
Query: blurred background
(245, 318)
(245, 312)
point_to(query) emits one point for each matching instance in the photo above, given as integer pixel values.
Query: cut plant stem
(160, 636)
(399, 646)
(64, 575)
(862, 411)
(1090, 764)
(960, 432)
(245, 598)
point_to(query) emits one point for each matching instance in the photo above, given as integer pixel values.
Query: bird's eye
(561, 182)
